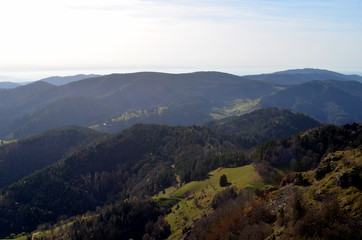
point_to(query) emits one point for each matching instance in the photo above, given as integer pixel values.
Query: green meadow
(195, 198)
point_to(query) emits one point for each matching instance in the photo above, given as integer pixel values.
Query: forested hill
(114, 102)
(117, 101)
(304, 151)
(143, 160)
(23, 157)
(328, 101)
(297, 76)
(263, 124)
(139, 161)
(148, 158)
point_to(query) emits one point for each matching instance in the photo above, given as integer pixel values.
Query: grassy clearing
(46, 234)
(19, 238)
(236, 108)
(3, 142)
(55, 231)
(141, 113)
(195, 198)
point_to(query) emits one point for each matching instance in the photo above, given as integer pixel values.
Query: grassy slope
(349, 199)
(195, 198)
(236, 108)
(6, 142)
(19, 238)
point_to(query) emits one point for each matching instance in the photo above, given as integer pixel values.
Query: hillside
(125, 163)
(323, 100)
(322, 200)
(16, 101)
(304, 151)
(197, 198)
(327, 160)
(324, 203)
(112, 100)
(262, 125)
(182, 207)
(23, 157)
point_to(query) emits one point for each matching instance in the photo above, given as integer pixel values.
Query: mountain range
(297, 76)
(205, 155)
(113, 102)
(56, 80)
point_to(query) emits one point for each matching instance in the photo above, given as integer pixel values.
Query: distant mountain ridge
(57, 80)
(188, 99)
(297, 76)
(7, 85)
(23, 157)
(327, 101)
(113, 102)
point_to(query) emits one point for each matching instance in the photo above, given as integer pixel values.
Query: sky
(42, 38)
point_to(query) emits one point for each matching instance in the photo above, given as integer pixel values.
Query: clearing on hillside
(195, 198)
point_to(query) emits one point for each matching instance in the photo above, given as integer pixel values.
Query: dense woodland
(103, 189)
(25, 156)
(139, 161)
(263, 125)
(303, 152)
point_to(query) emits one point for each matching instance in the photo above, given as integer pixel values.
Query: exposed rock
(350, 178)
(288, 178)
(322, 171)
(295, 178)
(299, 180)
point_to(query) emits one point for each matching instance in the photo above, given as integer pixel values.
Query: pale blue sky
(62, 37)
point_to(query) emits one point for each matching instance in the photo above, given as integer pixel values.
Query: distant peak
(305, 71)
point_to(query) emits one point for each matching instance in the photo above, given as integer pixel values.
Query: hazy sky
(40, 38)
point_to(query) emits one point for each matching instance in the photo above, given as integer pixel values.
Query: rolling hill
(138, 162)
(117, 101)
(186, 99)
(262, 125)
(56, 80)
(326, 101)
(21, 158)
(327, 160)
(7, 85)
